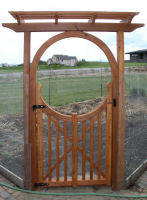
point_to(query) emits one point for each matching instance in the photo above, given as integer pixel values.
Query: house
(4, 65)
(63, 60)
(138, 56)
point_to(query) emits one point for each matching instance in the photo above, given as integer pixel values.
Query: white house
(63, 60)
(4, 65)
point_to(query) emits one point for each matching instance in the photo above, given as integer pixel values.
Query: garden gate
(74, 29)
(100, 177)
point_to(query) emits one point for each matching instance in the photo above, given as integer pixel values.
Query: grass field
(43, 66)
(64, 90)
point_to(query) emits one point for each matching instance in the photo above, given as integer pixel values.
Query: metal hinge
(39, 107)
(113, 102)
(41, 184)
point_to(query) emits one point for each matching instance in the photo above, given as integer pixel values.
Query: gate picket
(49, 148)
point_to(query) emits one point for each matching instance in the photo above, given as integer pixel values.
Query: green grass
(43, 66)
(63, 90)
(73, 89)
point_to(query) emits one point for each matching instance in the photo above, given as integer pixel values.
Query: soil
(11, 136)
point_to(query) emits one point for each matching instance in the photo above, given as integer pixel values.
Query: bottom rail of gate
(74, 150)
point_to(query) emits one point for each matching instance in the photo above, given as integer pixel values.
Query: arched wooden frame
(32, 86)
(69, 34)
(75, 30)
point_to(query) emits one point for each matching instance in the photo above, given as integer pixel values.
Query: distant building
(138, 56)
(63, 60)
(4, 65)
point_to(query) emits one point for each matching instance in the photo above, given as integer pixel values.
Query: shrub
(81, 62)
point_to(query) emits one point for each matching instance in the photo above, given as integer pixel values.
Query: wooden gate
(83, 163)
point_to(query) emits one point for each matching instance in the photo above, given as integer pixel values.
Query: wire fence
(62, 89)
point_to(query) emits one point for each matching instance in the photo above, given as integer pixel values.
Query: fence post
(118, 118)
(26, 90)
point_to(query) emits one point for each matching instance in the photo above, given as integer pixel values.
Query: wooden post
(118, 119)
(27, 145)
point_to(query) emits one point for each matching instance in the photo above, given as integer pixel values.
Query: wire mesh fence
(62, 89)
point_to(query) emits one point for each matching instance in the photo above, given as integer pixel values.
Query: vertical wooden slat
(49, 148)
(84, 145)
(65, 151)
(74, 149)
(99, 144)
(91, 149)
(108, 134)
(39, 135)
(57, 150)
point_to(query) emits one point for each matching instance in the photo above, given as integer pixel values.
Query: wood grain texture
(39, 135)
(72, 15)
(74, 150)
(52, 27)
(27, 144)
(49, 148)
(118, 119)
(108, 152)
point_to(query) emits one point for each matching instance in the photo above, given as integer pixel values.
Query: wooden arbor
(74, 29)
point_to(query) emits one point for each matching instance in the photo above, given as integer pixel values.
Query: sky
(11, 43)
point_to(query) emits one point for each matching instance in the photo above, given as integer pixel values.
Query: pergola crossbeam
(72, 15)
(56, 27)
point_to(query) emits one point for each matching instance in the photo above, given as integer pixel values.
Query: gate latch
(39, 107)
(114, 102)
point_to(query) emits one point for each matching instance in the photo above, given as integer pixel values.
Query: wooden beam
(92, 20)
(72, 14)
(27, 145)
(49, 27)
(118, 119)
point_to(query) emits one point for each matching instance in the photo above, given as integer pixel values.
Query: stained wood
(72, 15)
(118, 119)
(108, 148)
(52, 27)
(74, 150)
(65, 151)
(61, 183)
(49, 148)
(99, 144)
(57, 150)
(91, 149)
(27, 144)
(84, 146)
(39, 136)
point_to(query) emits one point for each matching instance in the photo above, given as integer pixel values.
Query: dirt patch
(11, 134)
(79, 107)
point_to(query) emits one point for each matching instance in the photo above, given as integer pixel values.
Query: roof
(139, 51)
(23, 15)
(57, 21)
(65, 57)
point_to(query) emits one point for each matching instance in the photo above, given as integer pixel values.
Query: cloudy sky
(11, 43)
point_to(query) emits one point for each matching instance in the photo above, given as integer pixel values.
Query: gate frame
(117, 68)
